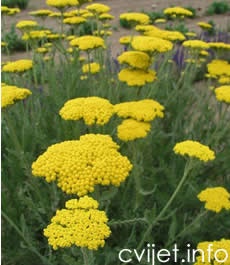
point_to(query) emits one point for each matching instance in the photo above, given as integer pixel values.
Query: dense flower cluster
(151, 44)
(142, 110)
(125, 39)
(92, 68)
(80, 224)
(40, 13)
(87, 42)
(223, 93)
(131, 129)
(215, 199)
(105, 16)
(194, 149)
(218, 69)
(26, 24)
(136, 77)
(214, 256)
(9, 11)
(219, 45)
(18, 66)
(36, 34)
(62, 3)
(135, 18)
(79, 165)
(10, 94)
(165, 34)
(91, 109)
(98, 8)
(177, 11)
(74, 20)
(135, 59)
(204, 25)
(196, 44)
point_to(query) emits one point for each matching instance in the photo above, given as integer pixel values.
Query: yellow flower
(3, 44)
(98, 8)
(143, 28)
(9, 11)
(41, 12)
(136, 18)
(219, 45)
(42, 50)
(151, 44)
(125, 40)
(177, 11)
(18, 66)
(160, 20)
(218, 68)
(62, 3)
(36, 34)
(93, 110)
(102, 33)
(224, 80)
(196, 44)
(10, 94)
(26, 24)
(204, 25)
(74, 20)
(216, 256)
(92, 68)
(191, 34)
(143, 110)
(194, 149)
(106, 16)
(88, 42)
(79, 165)
(130, 130)
(215, 199)
(223, 93)
(135, 59)
(136, 77)
(165, 34)
(80, 224)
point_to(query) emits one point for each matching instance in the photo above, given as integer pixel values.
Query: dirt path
(121, 6)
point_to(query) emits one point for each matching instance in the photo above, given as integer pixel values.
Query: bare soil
(121, 6)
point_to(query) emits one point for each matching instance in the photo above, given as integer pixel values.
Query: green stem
(20, 233)
(187, 169)
(87, 256)
(128, 221)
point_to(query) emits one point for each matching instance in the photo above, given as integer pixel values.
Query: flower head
(79, 165)
(17, 66)
(136, 18)
(194, 149)
(136, 77)
(74, 20)
(40, 13)
(91, 109)
(204, 25)
(62, 3)
(223, 93)
(98, 8)
(177, 11)
(142, 110)
(151, 44)
(80, 224)
(215, 199)
(11, 94)
(88, 42)
(214, 256)
(130, 130)
(135, 59)
(26, 24)
(196, 44)
(92, 68)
